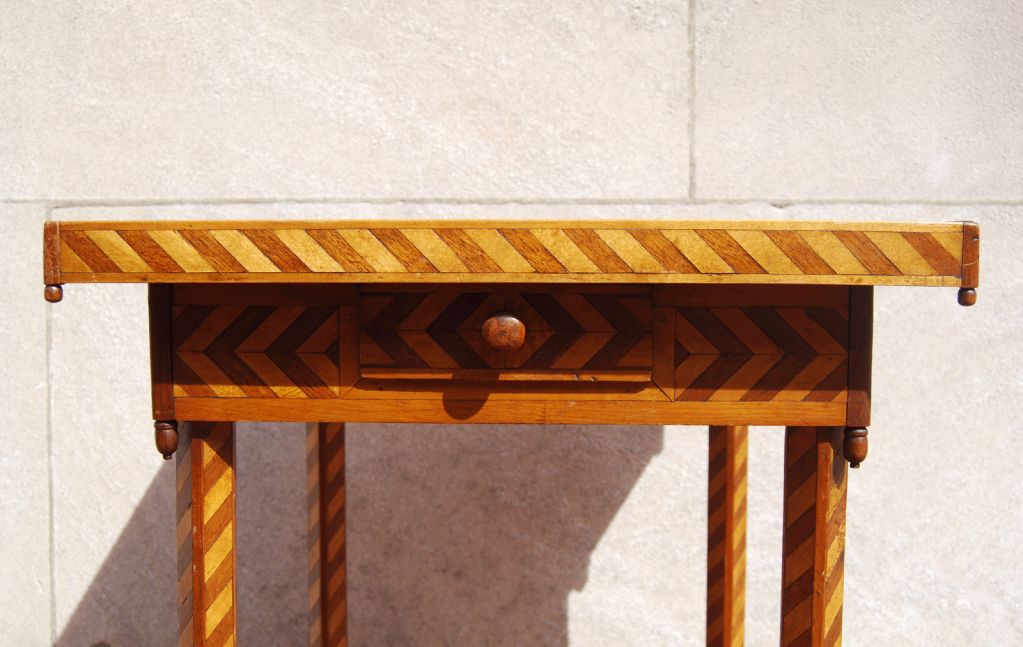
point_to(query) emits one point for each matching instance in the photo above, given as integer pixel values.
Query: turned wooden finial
(53, 293)
(166, 437)
(503, 332)
(855, 446)
(967, 296)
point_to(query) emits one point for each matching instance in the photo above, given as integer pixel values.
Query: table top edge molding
(485, 251)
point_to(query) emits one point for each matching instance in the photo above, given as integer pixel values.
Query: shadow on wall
(458, 535)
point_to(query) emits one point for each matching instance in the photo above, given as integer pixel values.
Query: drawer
(566, 334)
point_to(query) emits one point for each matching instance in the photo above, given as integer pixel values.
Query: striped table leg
(206, 535)
(325, 483)
(814, 537)
(726, 537)
(183, 469)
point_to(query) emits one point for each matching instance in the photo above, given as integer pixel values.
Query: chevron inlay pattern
(256, 351)
(914, 254)
(814, 537)
(758, 354)
(600, 331)
(206, 535)
(726, 536)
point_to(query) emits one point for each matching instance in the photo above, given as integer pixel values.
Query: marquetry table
(717, 323)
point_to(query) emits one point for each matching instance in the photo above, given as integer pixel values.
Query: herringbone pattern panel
(550, 249)
(591, 331)
(256, 351)
(814, 537)
(759, 354)
(726, 536)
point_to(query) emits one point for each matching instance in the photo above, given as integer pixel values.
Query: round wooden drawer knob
(503, 332)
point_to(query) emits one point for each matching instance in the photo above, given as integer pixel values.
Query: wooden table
(725, 324)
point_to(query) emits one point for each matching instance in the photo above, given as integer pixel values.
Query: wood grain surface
(447, 408)
(861, 342)
(161, 351)
(494, 252)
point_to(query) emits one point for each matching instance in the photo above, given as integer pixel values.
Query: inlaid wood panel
(482, 251)
(206, 536)
(571, 334)
(761, 354)
(814, 537)
(238, 351)
(726, 536)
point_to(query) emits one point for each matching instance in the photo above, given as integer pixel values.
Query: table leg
(726, 536)
(206, 535)
(325, 482)
(814, 537)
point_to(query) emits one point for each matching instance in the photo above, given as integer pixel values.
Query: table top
(486, 251)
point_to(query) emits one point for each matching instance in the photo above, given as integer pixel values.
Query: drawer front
(569, 335)
(711, 354)
(256, 351)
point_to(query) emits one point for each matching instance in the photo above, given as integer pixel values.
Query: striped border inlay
(738, 252)
(814, 537)
(726, 536)
(206, 535)
(313, 534)
(325, 482)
